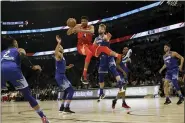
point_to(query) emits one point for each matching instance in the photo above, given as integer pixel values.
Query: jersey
(84, 38)
(170, 62)
(11, 56)
(60, 76)
(105, 61)
(61, 66)
(11, 69)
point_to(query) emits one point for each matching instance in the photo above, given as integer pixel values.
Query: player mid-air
(122, 67)
(11, 59)
(171, 64)
(106, 62)
(86, 47)
(61, 78)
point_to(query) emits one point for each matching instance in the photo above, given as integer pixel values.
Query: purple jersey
(170, 62)
(11, 55)
(61, 66)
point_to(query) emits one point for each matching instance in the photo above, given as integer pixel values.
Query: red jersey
(85, 38)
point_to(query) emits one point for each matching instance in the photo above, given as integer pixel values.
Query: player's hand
(70, 31)
(76, 29)
(58, 38)
(128, 60)
(37, 67)
(160, 71)
(180, 68)
(71, 65)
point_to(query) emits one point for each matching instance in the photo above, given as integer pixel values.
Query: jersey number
(6, 54)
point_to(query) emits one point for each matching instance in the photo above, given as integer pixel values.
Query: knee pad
(27, 95)
(101, 77)
(70, 92)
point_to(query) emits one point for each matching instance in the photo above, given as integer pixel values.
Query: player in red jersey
(86, 47)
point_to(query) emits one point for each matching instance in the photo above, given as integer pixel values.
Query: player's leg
(101, 83)
(63, 101)
(106, 50)
(166, 86)
(20, 83)
(175, 84)
(120, 82)
(66, 85)
(84, 50)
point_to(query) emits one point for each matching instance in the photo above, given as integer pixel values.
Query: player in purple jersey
(11, 71)
(171, 64)
(122, 66)
(106, 62)
(61, 78)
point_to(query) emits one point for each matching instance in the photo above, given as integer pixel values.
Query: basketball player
(106, 62)
(85, 47)
(11, 71)
(170, 63)
(122, 66)
(61, 78)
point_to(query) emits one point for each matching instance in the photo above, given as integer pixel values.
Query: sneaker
(61, 109)
(67, 110)
(168, 101)
(84, 80)
(114, 103)
(102, 96)
(124, 105)
(181, 99)
(45, 120)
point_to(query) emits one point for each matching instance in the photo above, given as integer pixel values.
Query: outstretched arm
(70, 66)
(78, 29)
(58, 55)
(26, 61)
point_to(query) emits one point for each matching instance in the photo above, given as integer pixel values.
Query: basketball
(71, 22)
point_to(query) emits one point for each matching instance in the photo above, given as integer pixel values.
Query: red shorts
(92, 47)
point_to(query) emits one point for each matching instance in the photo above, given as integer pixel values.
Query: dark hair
(8, 41)
(84, 17)
(167, 44)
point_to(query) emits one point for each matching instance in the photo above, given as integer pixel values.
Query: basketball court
(146, 110)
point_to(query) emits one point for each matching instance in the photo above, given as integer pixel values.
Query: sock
(101, 91)
(123, 99)
(85, 73)
(167, 98)
(40, 113)
(67, 104)
(62, 104)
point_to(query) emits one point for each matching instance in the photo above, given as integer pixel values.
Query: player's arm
(175, 54)
(163, 67)
(95, 41)
(70, 66)
(90, 30)
(58, 55)
(71, 31)
(26, 61)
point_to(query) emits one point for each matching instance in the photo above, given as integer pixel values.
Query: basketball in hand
(71, 22)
